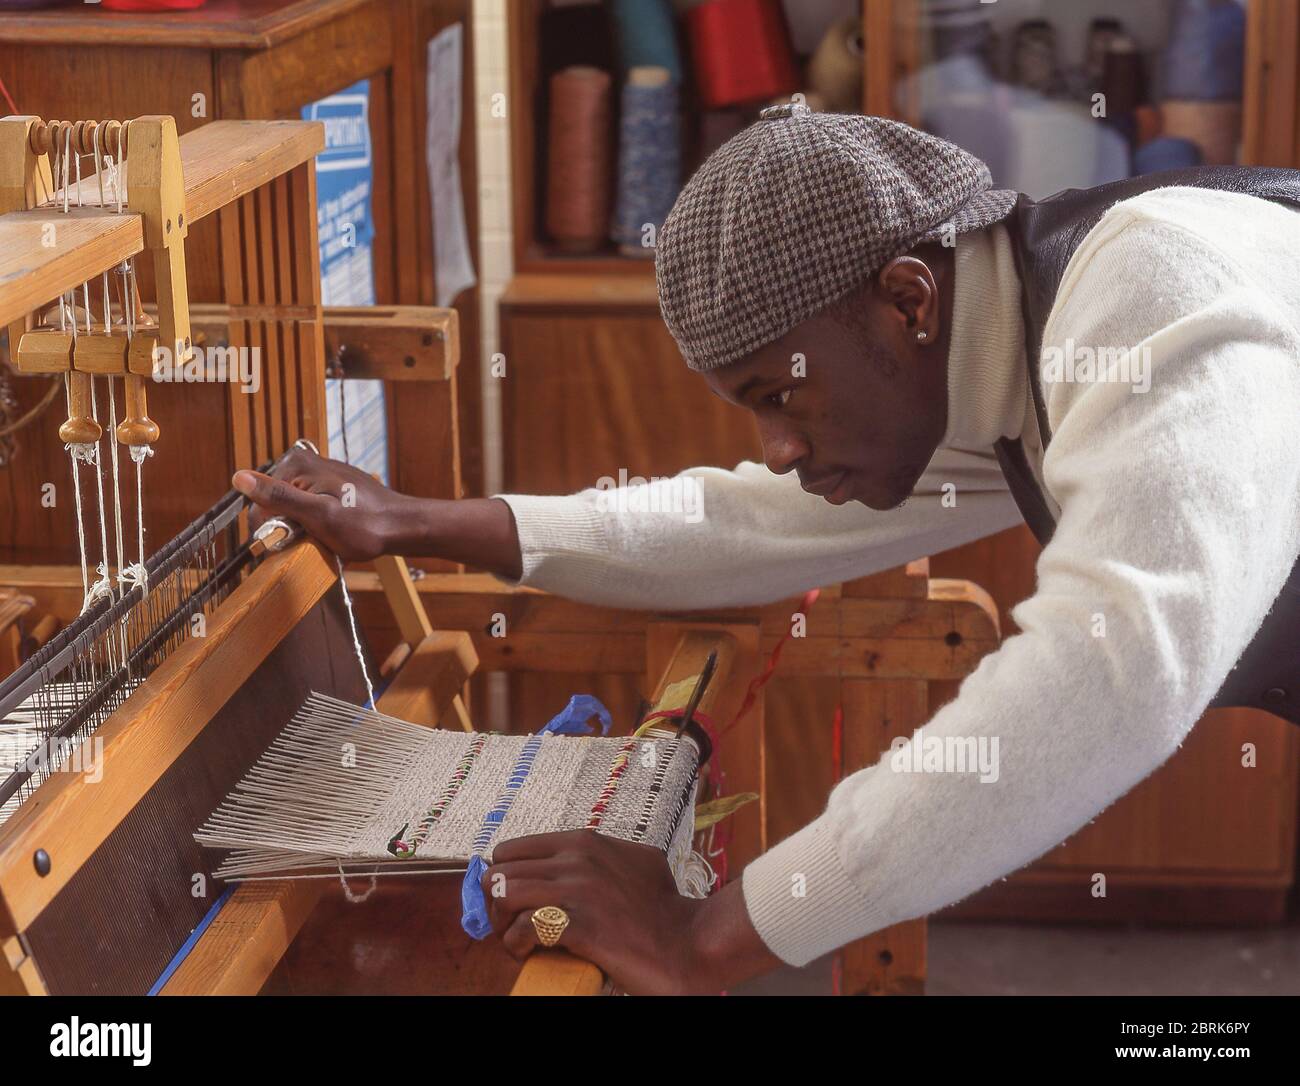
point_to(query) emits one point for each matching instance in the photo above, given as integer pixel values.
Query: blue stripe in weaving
(571, 721)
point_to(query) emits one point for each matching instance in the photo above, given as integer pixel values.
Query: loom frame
(258, 177)
(884, 638)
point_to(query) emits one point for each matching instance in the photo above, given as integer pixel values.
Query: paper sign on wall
(358, 430)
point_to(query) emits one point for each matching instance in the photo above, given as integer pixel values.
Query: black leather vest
(1044, 236)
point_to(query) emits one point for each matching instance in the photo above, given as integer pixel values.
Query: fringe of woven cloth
(340, 783)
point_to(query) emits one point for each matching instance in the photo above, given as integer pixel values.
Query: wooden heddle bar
(218, 163)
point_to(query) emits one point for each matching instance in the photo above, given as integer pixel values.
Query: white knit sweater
(1179, 522)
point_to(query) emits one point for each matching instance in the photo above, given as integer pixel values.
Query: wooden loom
(885, 639)
(81, 860)
(278, 632)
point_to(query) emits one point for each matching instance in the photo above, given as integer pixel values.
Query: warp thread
(649, 160)
(356, 636)
(578, 160)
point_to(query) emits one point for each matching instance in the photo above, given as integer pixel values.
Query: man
(859, 287)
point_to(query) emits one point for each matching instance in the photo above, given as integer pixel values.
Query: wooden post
(742, 749)
(157, 194)
(18, 973)
(892, 961)
(25, 180)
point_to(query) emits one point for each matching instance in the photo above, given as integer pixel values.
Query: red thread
(152, 5)
(837, 744)
(761, 680)
(8, 98)
(699, 717)
(721, 831)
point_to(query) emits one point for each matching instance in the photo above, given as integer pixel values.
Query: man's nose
(782, 450)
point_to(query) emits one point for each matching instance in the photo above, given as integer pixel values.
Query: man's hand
(625, 914)
(346, 509)
(360, 519)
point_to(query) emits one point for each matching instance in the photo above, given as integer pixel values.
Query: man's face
(851, 400)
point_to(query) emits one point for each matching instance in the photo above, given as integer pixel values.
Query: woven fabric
(342, 784)
(797, 210)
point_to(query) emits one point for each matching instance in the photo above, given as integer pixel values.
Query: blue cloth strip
(572, 720)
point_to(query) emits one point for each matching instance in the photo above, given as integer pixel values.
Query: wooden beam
(428, 687)
(224, 160)
(246, 939)
(943, 636)
(469, 601)
(88, 241)
(386, 343)
(617, 653)
(18, 973)
(219, 26)
(556, 972)
(221, 161)
(395, 342)
(412, 619)
(14, 607)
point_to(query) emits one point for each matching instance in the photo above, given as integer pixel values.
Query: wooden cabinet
(256, 59)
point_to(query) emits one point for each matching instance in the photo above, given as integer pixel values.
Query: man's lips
(826, 486)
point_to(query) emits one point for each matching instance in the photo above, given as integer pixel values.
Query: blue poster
(358, 431)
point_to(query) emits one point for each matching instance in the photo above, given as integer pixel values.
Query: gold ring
(549, 922)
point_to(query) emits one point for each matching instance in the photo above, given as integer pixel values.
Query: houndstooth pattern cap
(798, 209)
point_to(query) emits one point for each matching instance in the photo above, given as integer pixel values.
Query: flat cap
(797, 210)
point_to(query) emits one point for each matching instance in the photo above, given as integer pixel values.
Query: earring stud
(922, 336)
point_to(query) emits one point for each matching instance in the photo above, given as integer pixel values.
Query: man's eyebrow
(751, 384)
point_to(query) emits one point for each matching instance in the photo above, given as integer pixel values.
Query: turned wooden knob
(137, 428)
(39, 137)
(81, 428)
(113, 135)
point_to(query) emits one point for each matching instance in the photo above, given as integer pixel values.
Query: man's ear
(908, 286)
